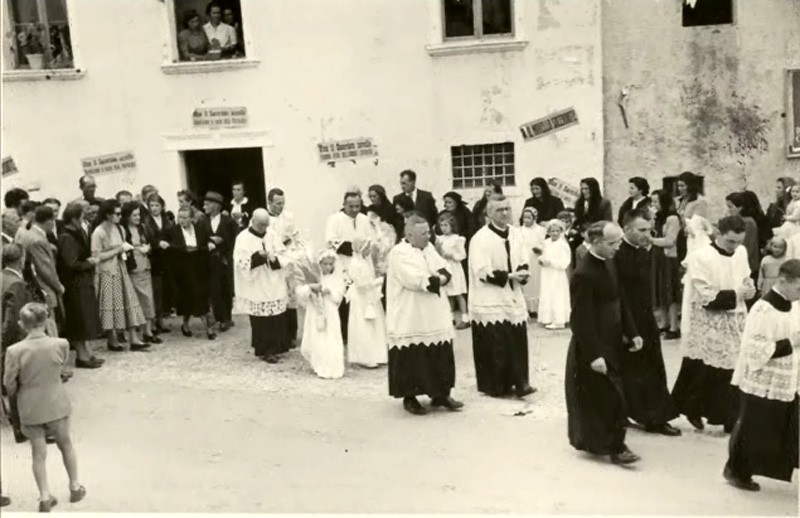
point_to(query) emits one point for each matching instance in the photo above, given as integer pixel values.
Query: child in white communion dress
(554, 303)
(366, 336)
(452, 248)
(322, 344)
(533, 237)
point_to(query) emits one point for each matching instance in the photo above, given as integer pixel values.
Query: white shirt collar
(15, 272)
(594, 254)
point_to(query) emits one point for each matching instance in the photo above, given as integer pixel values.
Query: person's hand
(127, 247)
(537, 251)
(163, 245)
(93, 260)
(264, 254)
(442, 280)
(599, 366)
(145, 249)
(225, 213)
(212, 247)
(638, 343)
(216, 239)
(746, 291)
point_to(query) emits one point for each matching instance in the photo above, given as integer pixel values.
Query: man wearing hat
(223, 230)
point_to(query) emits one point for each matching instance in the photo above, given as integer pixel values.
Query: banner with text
(568, 193)
(550, 124)
(214, 118)
(113, 163)
(351, 149)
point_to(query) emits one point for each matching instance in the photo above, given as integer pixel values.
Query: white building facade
(420, 78)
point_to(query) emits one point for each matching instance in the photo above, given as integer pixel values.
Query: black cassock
(595, 402)
(643, 374)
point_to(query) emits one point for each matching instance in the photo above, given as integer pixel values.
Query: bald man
(260, 287)
(594, 390)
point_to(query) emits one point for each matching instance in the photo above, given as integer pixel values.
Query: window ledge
(64, 74)
(203, 67)
(458, 48)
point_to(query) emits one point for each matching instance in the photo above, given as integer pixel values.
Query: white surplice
(341, 228)
(259, 291)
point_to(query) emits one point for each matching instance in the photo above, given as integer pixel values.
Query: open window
(477, 18)
(707, 12)
(38, 35)
(207, 30)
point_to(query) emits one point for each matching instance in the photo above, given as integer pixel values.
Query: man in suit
(424, 203)
(241, 208)
(223, 230)
(10, 225)
(43, 260)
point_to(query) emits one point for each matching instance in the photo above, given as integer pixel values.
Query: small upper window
(40, 35)
(209, 31)
(477, 18)
(707, 12)
(481, 165)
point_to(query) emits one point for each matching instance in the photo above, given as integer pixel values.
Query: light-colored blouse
(105, 237)
(142, 261)
(190, 237)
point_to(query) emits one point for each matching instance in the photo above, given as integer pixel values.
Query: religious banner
(9, 167)
(215, 118)
(568, 193)
(351, 149)
(550, 124)
(113, 163)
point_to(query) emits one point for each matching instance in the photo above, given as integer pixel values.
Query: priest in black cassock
(764, 440)
(644, 376)
(596, 413)
(498, 268)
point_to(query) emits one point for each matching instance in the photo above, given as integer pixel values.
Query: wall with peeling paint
(705, 99)
(327, 71)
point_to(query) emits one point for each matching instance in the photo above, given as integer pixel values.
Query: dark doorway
(217, 170)
(707, 12)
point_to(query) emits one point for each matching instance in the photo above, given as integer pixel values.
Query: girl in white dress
(554, 303)
(322, 344)
(533, 236)
(790, 230)
(366, 341)
(452, 248)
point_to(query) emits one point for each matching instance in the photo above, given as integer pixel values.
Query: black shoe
(697, 422)
(77, 495)
(50, 440)
(525, 390)
(121, 338)
(728, 428)
(624, 457)
(4, 501)
(97, 359)
(224, 327)
(152, 339)
(87, 364)
(19, 438)
(211, 335)
(664, 429)
(447, 402)
(737, 482)
(140, 347)
(44, 507)
(270, 358)
(412, 406)
(115, 348)
(672, 335)
(186, 331)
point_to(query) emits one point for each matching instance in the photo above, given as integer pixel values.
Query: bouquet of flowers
(30, 39)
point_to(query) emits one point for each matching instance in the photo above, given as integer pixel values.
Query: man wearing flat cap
(223, 231)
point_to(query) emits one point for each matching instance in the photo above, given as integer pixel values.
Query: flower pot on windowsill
(36, 61)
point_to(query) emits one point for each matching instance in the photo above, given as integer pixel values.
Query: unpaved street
(198, 426)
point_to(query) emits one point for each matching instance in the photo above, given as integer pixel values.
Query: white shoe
(554, 327)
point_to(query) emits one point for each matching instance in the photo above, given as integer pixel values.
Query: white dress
(452, 248)
(533, 237)
(322, 344)
(791, 226)
(554, 303)
(366, 331)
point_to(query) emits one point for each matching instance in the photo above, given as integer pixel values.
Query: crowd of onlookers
(220, 37)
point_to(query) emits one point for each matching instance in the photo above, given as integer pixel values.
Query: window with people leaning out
(477, 19)
(39, 37)
(209, 31)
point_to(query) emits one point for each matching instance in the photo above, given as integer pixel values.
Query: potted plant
(30, 43)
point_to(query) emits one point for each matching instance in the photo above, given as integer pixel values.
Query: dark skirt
(193, 285)
(82, 313)
(764, 439)
(268, 335)
(645, 381)
(666, 279)
(596, 416)
(705, 391)
(500, 352)
(420, 369)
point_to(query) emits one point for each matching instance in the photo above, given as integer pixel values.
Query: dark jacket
(628, 206)
(227, 230)
(247, 213)
(546, 209)
(425, 205)
(154, 236)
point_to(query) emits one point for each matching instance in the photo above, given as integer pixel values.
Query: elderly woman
(76, 269)
(193, 42)
(190, 245)
(138, 265)
(119, 304)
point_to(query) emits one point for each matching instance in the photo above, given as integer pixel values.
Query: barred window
(480, 165)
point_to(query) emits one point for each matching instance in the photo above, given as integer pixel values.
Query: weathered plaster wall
(705, 99)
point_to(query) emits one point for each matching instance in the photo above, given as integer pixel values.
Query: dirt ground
(198, 426)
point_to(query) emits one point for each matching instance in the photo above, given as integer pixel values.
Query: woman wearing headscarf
(591, 207)
(547, 205)
(380, 204)
(455, 205)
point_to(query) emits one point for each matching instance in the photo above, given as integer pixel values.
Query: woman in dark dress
(455, 205)
(479, 210)
(777, 208)
(76, 269)
(591, 207)
(546, 204)
(156, 227)
(380, 204)
(402, 206)
(190, 245)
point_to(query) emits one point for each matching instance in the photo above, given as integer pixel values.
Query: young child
(554, 304)
(771, 264)
(322, 344)
(367, 344)
(533, 236)
(452, 248)
(791, 220)
(33, 376)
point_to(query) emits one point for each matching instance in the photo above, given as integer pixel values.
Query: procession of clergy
(739, 370)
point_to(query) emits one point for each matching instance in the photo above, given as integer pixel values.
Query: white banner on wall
(568, 193)
(112, 163)
(351, 149)
(215, 118)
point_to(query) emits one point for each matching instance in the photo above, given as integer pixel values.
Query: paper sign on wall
(9, 167)
(351, 149)
(113, 163)
(568, 193)
(550, 124)
(220, 117)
